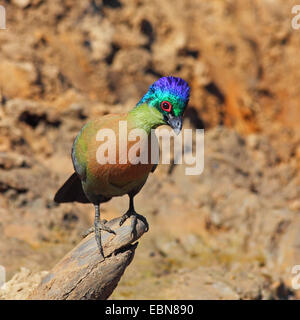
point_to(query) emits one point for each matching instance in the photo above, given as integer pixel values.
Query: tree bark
(84, 274)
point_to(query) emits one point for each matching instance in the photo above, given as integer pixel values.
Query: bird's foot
(98, 226)
(135, 216)
(101, 227)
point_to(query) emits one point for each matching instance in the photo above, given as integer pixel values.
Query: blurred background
(230, 233)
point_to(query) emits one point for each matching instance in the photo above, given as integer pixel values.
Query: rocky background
(230, 233)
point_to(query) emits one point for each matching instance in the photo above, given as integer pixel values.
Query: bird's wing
(83, 145)
(79, 153)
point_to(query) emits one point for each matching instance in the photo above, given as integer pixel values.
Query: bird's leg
(131, 212)
(98, 226)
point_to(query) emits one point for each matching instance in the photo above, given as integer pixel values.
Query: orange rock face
(63, 63)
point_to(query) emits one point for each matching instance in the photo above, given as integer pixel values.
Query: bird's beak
(175, 123)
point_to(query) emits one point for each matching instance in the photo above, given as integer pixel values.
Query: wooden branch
(83, 274)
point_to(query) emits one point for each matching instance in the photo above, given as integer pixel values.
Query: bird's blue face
(170, 96)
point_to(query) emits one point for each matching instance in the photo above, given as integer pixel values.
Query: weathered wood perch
(83, 274)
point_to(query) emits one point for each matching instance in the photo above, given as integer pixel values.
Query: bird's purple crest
(172, 89)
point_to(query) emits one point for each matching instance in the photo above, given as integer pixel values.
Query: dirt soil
(231, 232)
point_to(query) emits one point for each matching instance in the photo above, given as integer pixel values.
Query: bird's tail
(71, 191)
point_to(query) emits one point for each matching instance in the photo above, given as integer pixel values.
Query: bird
(92, 182)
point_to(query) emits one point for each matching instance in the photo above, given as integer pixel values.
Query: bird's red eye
(166, 106)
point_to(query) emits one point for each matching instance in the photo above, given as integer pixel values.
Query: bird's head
(170, 96)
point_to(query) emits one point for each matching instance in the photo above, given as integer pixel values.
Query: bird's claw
(135, 216)
(101, 226)
(124, 217)
(127, 215)
(133, 226)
